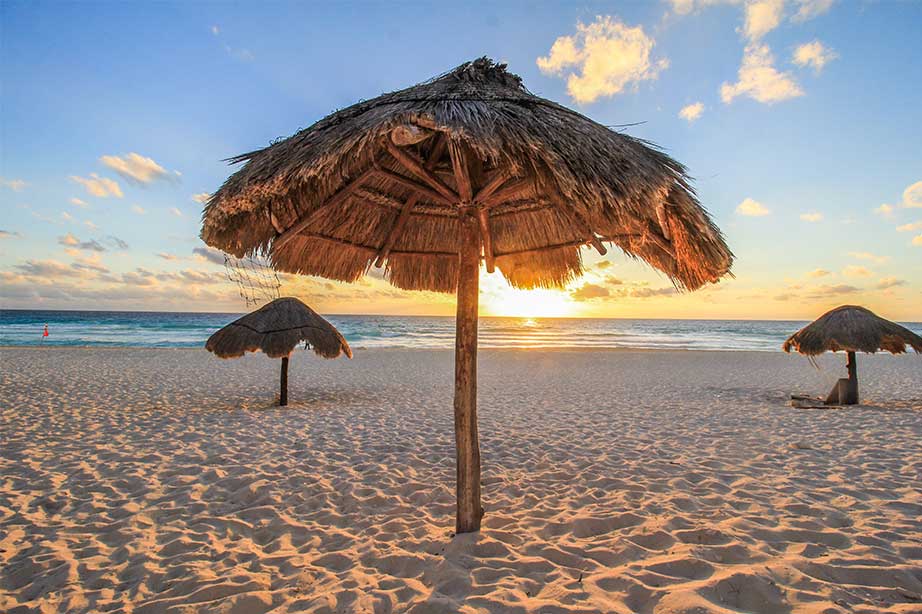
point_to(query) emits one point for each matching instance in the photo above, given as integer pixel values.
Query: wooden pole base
(851, 394)
(469, 511)
(283, 393)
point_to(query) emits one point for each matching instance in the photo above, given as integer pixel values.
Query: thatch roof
(276, 329)
(377, 181)
(852, 329)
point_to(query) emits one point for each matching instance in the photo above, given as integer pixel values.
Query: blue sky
(809, 117)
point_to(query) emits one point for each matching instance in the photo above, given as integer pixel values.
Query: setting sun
(504, 300)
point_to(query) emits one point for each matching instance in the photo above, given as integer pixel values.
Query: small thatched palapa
(851, 329)
(276, 329)
(468, 167)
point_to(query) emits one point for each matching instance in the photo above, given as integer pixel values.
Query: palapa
(276, 329)
(851, 329)
(469, 166)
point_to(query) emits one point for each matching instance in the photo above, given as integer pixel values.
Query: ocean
(164, 329)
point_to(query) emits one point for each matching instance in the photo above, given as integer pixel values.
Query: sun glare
(511, 302)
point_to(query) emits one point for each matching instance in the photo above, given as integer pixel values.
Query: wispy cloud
(78, 203)
(808, 9)
(101, 187)
(869, 256)
(752, 208)
(9, 234)
(692, 112)
(71, 241)
(890, 282)
(137, 168)
(884, 210)
(588, 292)
(856, 271)
(201, 197)
(912, 196)
(911, 227)
(209, 254)
(812, 216)
(139, 209)
(17, 185)
(175, 211)
(819, 273)
(814, 54)
(603, 58)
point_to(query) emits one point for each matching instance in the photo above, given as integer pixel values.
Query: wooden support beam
(486, 235)
(439, 145)
(395, 231)
(851, 396)
(495, 182)
(418, 187)
(344, 193)
(462, 177)
(467, 442)
(283, 383)
(415, 166)
(512, 190)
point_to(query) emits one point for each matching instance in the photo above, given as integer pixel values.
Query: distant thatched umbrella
(276, 329)
(851, 329)
(426, 179)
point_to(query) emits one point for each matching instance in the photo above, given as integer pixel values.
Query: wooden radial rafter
(466, 189)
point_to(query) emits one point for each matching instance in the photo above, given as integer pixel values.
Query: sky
(800, 121)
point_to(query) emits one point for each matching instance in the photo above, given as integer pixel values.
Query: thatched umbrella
(276, 329)
(851, 329)
(429, 180)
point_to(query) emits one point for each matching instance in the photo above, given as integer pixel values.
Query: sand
(145, 481)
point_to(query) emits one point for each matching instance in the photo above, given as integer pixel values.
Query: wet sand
(145, 481)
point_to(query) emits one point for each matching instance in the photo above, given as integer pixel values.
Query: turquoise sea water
(156, 329)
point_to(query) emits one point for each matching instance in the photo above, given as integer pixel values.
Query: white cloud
(812, 216)
(819, 273)
(602, 59)
(684, 7)
(760, 80)
(78, 203)
(884, 210)
(752, 208)
(14, 184)
(912, 196)
(808, 9)
(856, 271)
(814, 54)
(215, 30)
(869, 256)
(692, 112)
(201, 197)
(911, 227)
(175, 211)
(89, 224)
(135, 167)
(167, 256)
(762, 16)
(99, 186)
(67, 217)
(139, 210)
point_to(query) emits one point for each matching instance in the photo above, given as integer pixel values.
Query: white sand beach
(147, 481)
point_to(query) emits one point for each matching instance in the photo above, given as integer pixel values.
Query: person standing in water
(45, 332)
